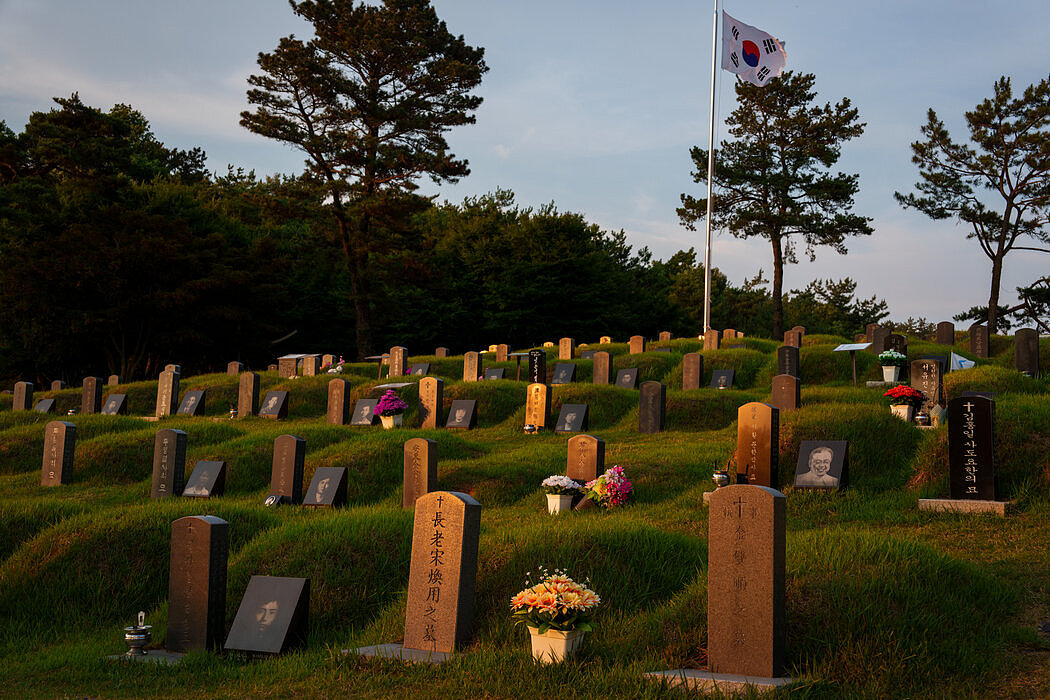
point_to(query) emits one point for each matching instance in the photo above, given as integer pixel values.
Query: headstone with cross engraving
(972, 455)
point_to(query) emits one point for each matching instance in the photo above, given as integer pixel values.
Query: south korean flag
(751, 53)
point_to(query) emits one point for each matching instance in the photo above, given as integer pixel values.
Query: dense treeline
(118, 255)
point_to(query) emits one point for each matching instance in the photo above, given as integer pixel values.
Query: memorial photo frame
(822, 464)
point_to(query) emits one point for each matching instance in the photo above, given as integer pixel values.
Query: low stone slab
(958, 505)
(726, 683)
(157, 656)
(399, 652)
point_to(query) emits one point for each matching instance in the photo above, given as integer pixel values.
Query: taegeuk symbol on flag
(751, 53)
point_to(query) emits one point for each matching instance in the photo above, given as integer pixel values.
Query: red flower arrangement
(901, 395)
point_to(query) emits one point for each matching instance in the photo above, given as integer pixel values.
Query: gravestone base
(402, 653)
(726, 683)
(880, 384)
(150, 419)
(965, 505)
(157, 656)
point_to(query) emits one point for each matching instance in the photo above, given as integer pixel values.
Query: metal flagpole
(710, 174)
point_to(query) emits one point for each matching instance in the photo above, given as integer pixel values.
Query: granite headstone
(169, 463)
(200, 546)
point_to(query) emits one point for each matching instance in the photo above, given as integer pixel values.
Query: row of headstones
(1026, 343)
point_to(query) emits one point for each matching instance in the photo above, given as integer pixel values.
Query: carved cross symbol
(739, 506)
(969, 406)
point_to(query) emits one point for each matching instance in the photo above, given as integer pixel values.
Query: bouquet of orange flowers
(556, 602)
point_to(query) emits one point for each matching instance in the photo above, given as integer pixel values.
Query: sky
(592, 105)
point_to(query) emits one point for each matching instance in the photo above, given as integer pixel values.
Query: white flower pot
(554, 645)
(557, 502)
(891, 373)
(904, 411)
(391, 421)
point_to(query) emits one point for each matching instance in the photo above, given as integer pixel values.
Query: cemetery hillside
(280, 541)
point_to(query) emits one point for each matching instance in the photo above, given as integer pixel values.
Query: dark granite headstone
(442, 573)
(327, 488)
(169, 463)
(167, 393)
(273, 616)
(91, 397)
(787, 361)
(786, 394)
(757, 445)
(420, 471)
(692, 370)
(586, 458)
(602, 367)
(822, 464)
(627, 378)
(338, 402)
(878, 343)
(973, 462)
(722, 378)
(115, 405)
(364, 412)
(926, 377)
(23, 398)
(234, 368)
(208, 479)
(200, 546)
(746, 581)
(398, 361)
(587, 354)
(979, 340)
(566, 348)
(274, 405)
(431, 396)
(564, 373)
(538, 405)
(248, 395)
(419, 369)
(463, 414)
(652, 404)
(869, 332)
(896, 341)
(192, 404)
(286, 476)
(793, 339)
(441, 352)
(712, 339)
(1026, 352)
(572, 418)
(494, 373)
(537, 366)
(946, 333)
(636, 344)
(663, 349)
(60, 439)
(58, 385)
(45, 406)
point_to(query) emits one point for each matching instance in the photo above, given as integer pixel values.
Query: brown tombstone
(200, 546)
(692, 370)
(398, 361)
(879, 337)
(442, 572)
(234, 368)
(566, 348)
(926, 377)
(177, 369)
(58, 385)
(420, 475)
(586, 458)
(169, 463)
(979, 340)
(712, 339)
(636, 344)
(167, 393)
(113, 380)
(60, 439)
(793, 338)
(441, 352)
(286, 474)
(1026, 351)
(91, 397)
(327, 360)
(729, 334)
(431, 396)
(23, 399)
(786, 393)
(287, 367)
(338, 402)
(652, 405)
(538, 405)
(501, 352)
(602, 367)
(271, 368)
(311, 365)
(946, 333)
(745, 581)
(248, 395)
(757, 445)
(604, 340)
(471, 366)
(869, 332)
(665, 336)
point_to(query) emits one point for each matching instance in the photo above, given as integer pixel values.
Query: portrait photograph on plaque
(208, 479)
(462, 414)
(821, 464)
(273, 616)
(327, 488)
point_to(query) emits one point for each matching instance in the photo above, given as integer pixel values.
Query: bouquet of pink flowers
(556, 602)
(610, 489)
(389, 404)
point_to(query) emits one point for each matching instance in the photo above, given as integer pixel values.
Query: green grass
(882, 599)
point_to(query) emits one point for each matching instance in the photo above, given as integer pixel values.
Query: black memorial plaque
(364, 412)
(572, 418)
(972, 459)
(327, 488)
(208, 479)
(274, 405)
(822, 464)
(462, 414)
(564, 373)
(627, 378)
(273, 616)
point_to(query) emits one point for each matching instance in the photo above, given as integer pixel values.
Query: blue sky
(592, 105)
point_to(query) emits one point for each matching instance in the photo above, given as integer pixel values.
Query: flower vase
(554, 645)
(891, 373)
(903, 411)
(391, 421)
(558, 502)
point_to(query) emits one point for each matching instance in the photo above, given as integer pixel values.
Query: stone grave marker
(169, 463)
(208, 479)
(113, 380)
(60, 439)
(538, 405)
(926, 377)
(652, 404)
(869, 332)
(896, 341)
(338, 402)
(946, 333)
(463, 414)
(786, 394)
(274, 405)
(729, 334)
(398, 361)
(328, 360)
(878, 343)
(420, 475)
(200, 547)
(712, 339)
(979, 340)
(431, 396)
(746, 581)
(604, 340)
(364, 412)
(664, 336)
(537, 366)
(192, 403)
(587, 355)
(800, 329)
(287, 366)
(822, 464)
(601, 367)
(273, 616)
(692, 370)
(234, 368)
(564, 373)
(271, 368)
(501, 352)
(443, 569)
(472, 368)
(419, 369)
(45, 406)
(973, 463)
(23, 398)
(793, 339)
(58, 385)
(757, 445)
(167, 393)
(788, 361)
(286, 474)
(586, 458)
(1026, 352)
(495, 373)
(572, 418)
(311, 365)
(327, 488)
(115, 405)
(722, 378)
(627, 378)
(91, 396)
(171, 367)
(663, 349)
(441, 352)
(636, 344)
(566, 348)
(247, 394)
